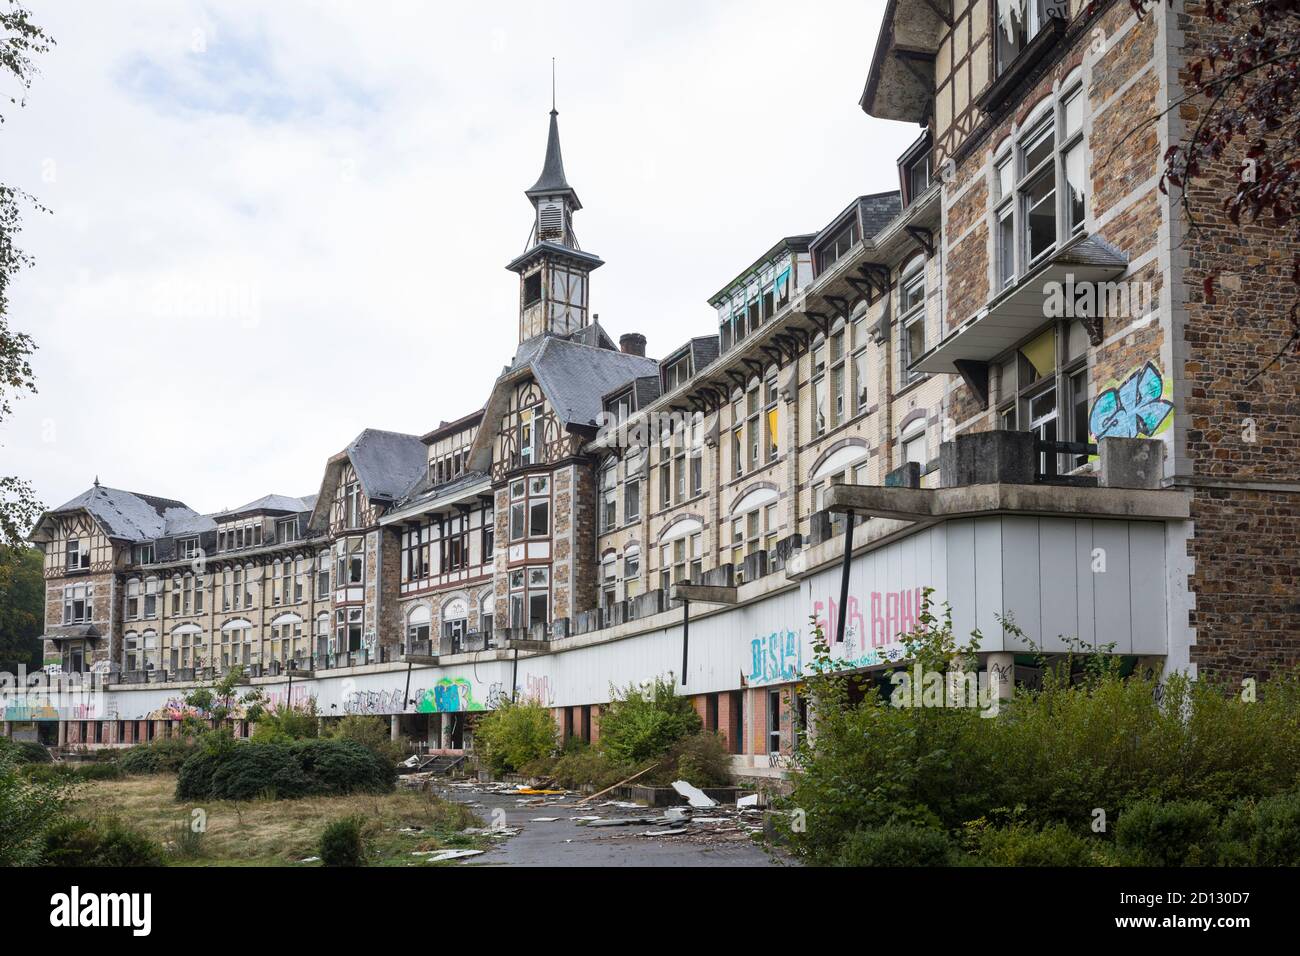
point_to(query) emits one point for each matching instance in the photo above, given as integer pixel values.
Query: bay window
(1040, 187)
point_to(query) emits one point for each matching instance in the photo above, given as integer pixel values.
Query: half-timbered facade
(990, 376)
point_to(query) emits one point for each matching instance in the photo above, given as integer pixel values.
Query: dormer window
(837, 246)
(144, 553)
(1018, 22)
(914, 169)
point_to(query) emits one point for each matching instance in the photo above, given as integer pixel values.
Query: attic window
(532, 288)
(550, 221)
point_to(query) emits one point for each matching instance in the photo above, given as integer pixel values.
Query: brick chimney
(633, 343)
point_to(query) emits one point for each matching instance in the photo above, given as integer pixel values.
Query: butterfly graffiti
(1134, 409)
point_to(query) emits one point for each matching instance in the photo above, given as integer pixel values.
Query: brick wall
(1246, 542)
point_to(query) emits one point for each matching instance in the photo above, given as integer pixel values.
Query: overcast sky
(275, 224)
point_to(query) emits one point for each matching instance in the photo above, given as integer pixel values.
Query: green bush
(160, 756)
(373, 733)
(642, 723)
(516, 734)
(25, 751)
(1022, 845)
(1266, 833)
(701, 759)
(342, 843)
(896, 844)
(67, 771)
(1177, 833)
(1089, 734)
(589, 767)
(79, 842)
(284, 771)
(284, 724)
(28, 808)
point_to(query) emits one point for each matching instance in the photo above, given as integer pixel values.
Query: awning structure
(1024, 307)
(71, 632)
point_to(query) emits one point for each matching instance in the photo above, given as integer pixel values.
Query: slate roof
(127, 515)
(574, 377)
(388, 464)
(426, 493)
(282, 503)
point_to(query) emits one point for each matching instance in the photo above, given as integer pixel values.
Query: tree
(20, 41)
(1244, 84)
(22, 607)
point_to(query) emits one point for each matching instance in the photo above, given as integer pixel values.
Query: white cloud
(277, 224)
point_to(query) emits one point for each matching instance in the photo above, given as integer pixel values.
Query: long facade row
(1025, 311)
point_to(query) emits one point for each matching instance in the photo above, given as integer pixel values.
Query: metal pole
(686, 635)
(514, 675)
(406, 694)
(289, 699)
(844, 578)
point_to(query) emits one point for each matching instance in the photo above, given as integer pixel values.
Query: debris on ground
(694, 795)
(440, 856)
(749, 801)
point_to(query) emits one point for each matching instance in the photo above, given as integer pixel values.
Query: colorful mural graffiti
(776, 658)
(449, 695)
(1138, 408)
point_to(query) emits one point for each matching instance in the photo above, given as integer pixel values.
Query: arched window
(754, 523)
(133, 609)
(632, 570)
(847, 465)
(608, 579)
(486, 613)
(418, 624)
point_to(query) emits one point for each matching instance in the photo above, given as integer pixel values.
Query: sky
(275, 224)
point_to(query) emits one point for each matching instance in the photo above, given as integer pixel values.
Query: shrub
(28, 808)
(48, 772)
(701, 759)
(1023, 845)
(896, 844)
(641, 723)
(1177, 833)
(515, 734)
(589, 767)
(342, 843)
(370, 732)
(284, 724)
(1089, 735)
(80, 842)
(251, 770)
(160, 756)
(188, 842)
(1266, 833)
(25, 751)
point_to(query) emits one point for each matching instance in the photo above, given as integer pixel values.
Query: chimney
(633, 343)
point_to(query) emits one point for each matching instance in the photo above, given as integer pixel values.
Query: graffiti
(539, 689)
(496, 696)
(374, 702)
(776, 657)
(891, 613)
(303, 699)
(1137, 408)
(176, 709)
(449, 696)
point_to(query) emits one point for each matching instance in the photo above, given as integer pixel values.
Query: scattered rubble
(694, 795)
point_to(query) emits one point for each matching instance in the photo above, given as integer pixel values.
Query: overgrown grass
(276, 832)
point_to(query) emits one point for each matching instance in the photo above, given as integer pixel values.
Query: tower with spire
(554, 273)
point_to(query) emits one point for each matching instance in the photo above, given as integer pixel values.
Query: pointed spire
(552, 179)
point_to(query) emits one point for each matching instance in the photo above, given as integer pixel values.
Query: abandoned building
(1002, 378)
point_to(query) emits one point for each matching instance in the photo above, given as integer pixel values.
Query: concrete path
(565, 842)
